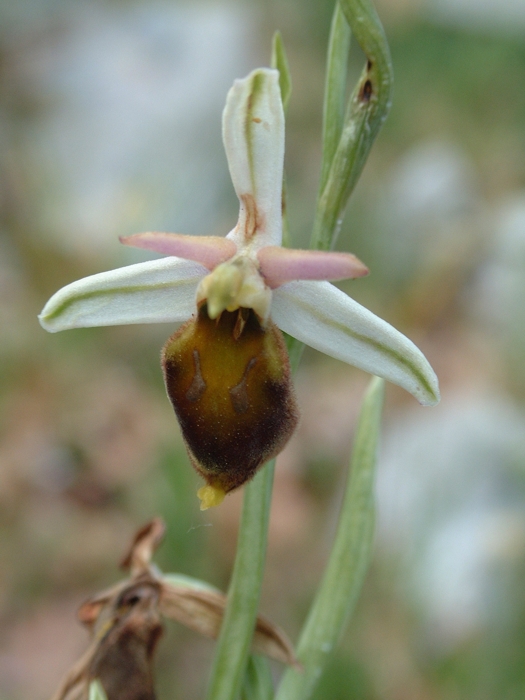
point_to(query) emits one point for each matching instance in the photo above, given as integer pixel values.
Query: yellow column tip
(210, 496)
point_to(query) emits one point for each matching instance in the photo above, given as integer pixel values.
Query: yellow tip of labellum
(210, 496)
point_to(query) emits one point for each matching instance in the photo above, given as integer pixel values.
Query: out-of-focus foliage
(110, 124)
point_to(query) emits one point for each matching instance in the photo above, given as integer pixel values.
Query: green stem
(367, 110)
(233, 645)
(335, 89)
(279, 60)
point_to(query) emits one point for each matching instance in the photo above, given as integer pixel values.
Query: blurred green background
(110, 125)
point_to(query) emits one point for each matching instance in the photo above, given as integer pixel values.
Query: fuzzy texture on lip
(230, 386)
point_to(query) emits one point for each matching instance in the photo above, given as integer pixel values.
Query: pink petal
(210, 251)
(281, 265)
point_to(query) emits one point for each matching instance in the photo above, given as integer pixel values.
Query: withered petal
(75, 684)
(202, 611)
(91, 609)
(145, 543)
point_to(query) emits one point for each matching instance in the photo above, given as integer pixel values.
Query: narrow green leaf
(96, 691)
(367, 110)
(335, 89)
(258, 683)
(280, 61)
(181, 580)
(348, 562)
(233, 645)
(369, 32)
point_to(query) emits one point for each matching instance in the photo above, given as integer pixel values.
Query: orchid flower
(226, 369)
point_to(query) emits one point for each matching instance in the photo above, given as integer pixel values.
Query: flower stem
(233, 645)
(367, 110)
(335, 89)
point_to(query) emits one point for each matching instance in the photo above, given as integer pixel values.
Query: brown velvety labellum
(229, 383)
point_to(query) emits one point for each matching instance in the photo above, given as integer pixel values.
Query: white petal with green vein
(253, 134)
(328, 320)
(157, 291)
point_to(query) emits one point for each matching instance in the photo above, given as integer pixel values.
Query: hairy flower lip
(229, 382)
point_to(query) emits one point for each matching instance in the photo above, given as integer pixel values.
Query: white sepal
(253, 135)
(328, 320)
(157, 291)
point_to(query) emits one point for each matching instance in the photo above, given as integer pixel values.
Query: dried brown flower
(125, 622)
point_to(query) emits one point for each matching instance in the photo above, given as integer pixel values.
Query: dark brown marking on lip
(198, 385)
(240, 323)
(366, 91)
(239, 393)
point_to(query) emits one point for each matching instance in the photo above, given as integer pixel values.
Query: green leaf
(96, 691)
(367, 110)
(258, 683)
(348, 562)
(280, 61)
(335, 89)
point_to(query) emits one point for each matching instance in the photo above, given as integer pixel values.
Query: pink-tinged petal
(280, 265)
(210, 251)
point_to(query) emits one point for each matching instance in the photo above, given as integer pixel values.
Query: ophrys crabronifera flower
(226, 368)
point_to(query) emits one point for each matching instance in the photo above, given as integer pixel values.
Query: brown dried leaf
(90, 611)
(202, 611)
(145, 543)
(123, 658)
(272, 641)
(126, 627)
(125, 624)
